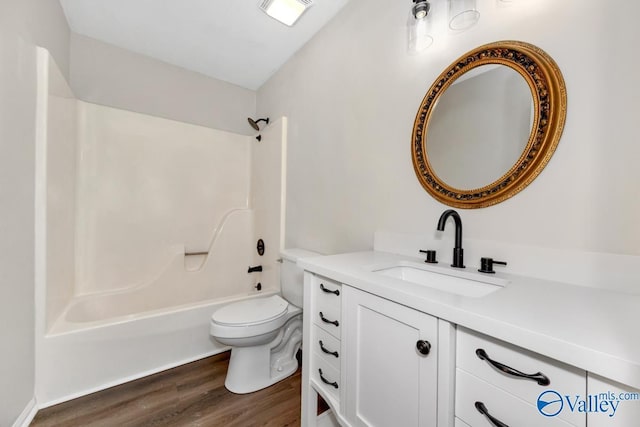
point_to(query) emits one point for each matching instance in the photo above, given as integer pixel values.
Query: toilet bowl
(264, 333)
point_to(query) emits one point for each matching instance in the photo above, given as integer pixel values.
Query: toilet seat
(250, 317)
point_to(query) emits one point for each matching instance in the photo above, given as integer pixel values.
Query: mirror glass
(480, 127)
(489, 124)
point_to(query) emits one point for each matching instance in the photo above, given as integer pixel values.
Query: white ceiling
(231, 40)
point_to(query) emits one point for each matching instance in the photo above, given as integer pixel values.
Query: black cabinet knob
(424, 347)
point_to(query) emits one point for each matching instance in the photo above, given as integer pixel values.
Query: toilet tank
(291, 276)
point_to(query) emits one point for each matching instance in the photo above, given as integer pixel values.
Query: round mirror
(489, 124)
(483, 119)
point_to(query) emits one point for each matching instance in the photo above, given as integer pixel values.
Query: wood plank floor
(189, 395)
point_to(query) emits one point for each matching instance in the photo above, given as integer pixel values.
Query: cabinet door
(389, 382)
(611, 404)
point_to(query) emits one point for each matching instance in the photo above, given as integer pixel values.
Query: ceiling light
(285, 11)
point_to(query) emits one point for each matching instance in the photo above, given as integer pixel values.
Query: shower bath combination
(254, 125)
(103, 302)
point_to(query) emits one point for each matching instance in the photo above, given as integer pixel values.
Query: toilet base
(256, 367)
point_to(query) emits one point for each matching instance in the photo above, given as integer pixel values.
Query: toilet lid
(251, 312)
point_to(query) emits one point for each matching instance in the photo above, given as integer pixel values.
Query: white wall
(23, 23)
(352, 93)
(108, 75)
(40, 23)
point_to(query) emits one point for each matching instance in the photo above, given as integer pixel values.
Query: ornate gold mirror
(489, 124)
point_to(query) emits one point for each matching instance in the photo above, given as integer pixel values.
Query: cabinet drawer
(499, 404)
(326, 376)
(565, 379)
(460, 423)
(327, 295)
(562, 377)
(326, 346)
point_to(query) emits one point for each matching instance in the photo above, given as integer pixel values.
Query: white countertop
(592, 329)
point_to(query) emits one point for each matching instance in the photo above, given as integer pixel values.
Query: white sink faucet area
(465, 283)
(454, 279)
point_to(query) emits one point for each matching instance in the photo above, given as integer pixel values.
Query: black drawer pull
(538, 377)
(329, 291)
(335, 353)
(325, 320)
(326, 381)
(483, 410)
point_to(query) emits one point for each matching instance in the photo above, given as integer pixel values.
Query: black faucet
(458, 253)
(256, 268)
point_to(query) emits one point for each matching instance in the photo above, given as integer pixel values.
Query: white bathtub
(94, 355)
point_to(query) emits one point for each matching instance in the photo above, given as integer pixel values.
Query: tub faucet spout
(458, 253)
(253, 269)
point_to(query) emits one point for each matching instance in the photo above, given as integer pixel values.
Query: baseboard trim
(27, 415)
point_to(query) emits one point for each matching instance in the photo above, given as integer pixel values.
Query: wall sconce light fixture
(420, 9)
(419, 26)
(463, 14)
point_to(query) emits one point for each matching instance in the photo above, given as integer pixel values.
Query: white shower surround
(149, 188)
(120, 198)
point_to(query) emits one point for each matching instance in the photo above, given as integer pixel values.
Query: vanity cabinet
(391, 362)
(379, 363)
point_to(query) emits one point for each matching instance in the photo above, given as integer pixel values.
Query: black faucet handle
(431, 256)
(486, 265)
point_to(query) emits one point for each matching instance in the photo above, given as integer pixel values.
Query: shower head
(254, 123)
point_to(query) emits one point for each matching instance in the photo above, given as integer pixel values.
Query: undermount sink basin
(460, 282)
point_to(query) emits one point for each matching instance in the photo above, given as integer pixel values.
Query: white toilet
(264, 333)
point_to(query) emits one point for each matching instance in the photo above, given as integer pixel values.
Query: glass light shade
(419, 33)
(463, 14)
